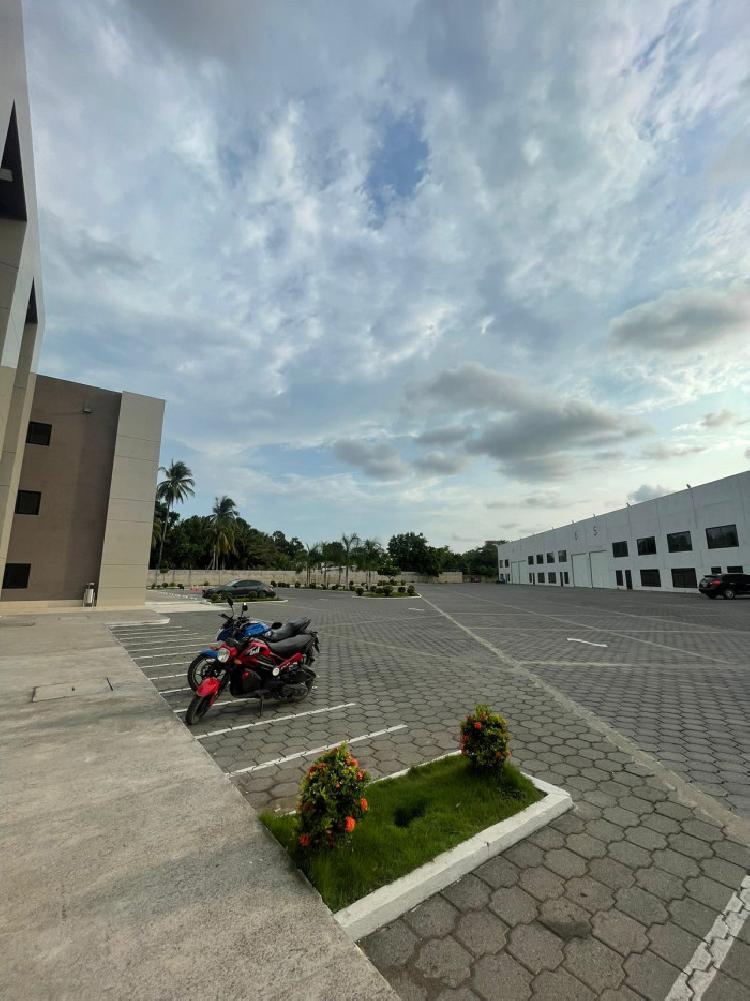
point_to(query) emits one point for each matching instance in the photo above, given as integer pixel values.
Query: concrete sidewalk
(132, 868)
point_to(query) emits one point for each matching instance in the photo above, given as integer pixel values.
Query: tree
(312, 556)
(387, 567)
(409, 551)
(333, 552)
(347, 543)
(178, 484)
(223, 529)
(367, 556)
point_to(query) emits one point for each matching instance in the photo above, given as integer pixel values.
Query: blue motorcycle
(240, 628)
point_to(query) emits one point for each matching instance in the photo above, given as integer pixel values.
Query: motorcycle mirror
(244, 606)
(229, 601)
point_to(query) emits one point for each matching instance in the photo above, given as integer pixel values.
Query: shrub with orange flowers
(331, 799)
(485, 740)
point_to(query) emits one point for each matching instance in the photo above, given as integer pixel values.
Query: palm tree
(368, 556)
(348, 542)
(312, 555)
(223, 529)
(175, 488)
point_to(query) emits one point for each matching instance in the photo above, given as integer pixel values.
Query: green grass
(411, 820)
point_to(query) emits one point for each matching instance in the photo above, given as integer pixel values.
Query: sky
(468, 269)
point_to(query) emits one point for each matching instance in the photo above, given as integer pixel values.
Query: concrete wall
(588, 543)
(20, 326)
(196, 578)
(63, 543)
(130, 515)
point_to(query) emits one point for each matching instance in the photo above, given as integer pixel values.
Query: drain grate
(70, 689)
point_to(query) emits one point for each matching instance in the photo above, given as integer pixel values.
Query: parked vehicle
(240, 589)
(728, 585)
(237, 628)
(258, 668)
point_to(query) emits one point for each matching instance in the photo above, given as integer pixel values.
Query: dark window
(679, 542)
(550, 557)
(562, 556)
(722, 537)
(531, 559)
(540, 578)
(565, 575)
(27, 501)
(650, 578)
(531, 578)
(715, 569)
(684, 578)
(619, 549)
(647, 546)
(507, 563)
(735, 570)
(540, 558)
(618, 577)
(552, 577)
(38, 434)
(16, 575)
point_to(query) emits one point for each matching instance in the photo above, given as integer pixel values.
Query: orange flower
(363, 803)
(360, 776)
(477, 725)
(350, 824)
(304, 840)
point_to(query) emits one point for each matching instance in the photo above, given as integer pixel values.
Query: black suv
(728, 585)
(241, 589)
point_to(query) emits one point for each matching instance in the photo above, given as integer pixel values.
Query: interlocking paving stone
(564, 862)
(541, 883)
(560, 986)
(481, 932)
(468, 893)
(513, 905)
(501, 978)
(434, 917)
(672, 943)
(650, 975)
(589, 893)
(620, 931)
(499, 872)
(725, 988)
(445, 960)
(392, 945)
(536, 947)
(594, 963)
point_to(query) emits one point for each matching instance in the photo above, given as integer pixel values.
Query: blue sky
(472, 269)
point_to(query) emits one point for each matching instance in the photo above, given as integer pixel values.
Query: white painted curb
(387, 903)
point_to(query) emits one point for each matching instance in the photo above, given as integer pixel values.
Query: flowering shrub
(485, 739)
(332, 799)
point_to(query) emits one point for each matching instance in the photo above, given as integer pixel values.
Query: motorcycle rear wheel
(196, 671)
(197, 709)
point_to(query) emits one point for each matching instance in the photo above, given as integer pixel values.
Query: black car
(241, 589)
(728, 585)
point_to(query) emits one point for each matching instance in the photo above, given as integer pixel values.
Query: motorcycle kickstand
(260, 710)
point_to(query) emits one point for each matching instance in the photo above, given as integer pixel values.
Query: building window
(735, 570)
(715, 569)
(540, 558)
(507, 563)
(38, 434)
(531, 559)
(552, 577)
(723, 537)
(565, 575)
(540, 578)
(550, 557)
(618, 577)
(28, 501)
(619, 549)
(16, 575)
(650, 578)
(679, 542)
(684, 578)
(647, 546)
(562, 555)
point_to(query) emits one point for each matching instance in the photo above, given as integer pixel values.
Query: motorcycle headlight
(223, 655)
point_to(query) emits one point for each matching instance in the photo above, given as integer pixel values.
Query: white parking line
(574, 639)
(276, 719)
(316, 750)
(163, 677)
(228, 702)
(706, 961)
(172, 691)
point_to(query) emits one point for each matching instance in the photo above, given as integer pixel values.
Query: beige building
(78, 464)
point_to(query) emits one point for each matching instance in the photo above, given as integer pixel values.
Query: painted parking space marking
(227, 702)
(172, 691)
(163, 677)
(276, 719)
(706, 961)
(317, 750)
(574, 639)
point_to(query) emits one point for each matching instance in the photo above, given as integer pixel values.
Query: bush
(373, 588)
(205, 583)
(411, 589)
(360, 591)
(215, 599)
(297, 584)
(402, 589)
(378, 590)
(387, 590)
(332, 800)
(313, 585)
(485, 739)
(273, 583)
(181, 587)
(152, 586)
(402, 583)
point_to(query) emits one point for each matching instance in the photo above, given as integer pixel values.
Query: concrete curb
(389, 902)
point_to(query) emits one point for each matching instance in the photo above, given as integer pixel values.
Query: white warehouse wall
(588, 543)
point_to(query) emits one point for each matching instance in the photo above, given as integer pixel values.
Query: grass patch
(411, 820)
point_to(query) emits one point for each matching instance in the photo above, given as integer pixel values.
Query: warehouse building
(667, 543)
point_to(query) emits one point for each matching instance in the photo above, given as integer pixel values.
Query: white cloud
(647, 492)
(686, 321)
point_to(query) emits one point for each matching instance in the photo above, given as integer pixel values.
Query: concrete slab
(132, 868)
(71, 689)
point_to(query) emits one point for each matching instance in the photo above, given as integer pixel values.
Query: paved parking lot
(613, 900)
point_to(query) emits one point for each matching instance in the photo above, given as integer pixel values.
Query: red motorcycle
(257, 668)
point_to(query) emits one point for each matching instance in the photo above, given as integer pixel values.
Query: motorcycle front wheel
(198, 671)
(197, 709)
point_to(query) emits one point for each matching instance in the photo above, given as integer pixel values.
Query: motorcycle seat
(293, 644)
(287, 630)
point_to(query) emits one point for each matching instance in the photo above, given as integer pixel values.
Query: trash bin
(89, 593)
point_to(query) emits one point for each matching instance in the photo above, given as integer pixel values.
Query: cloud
(663, 451)
(718, 418)
(747, 453)
(687, 320)
(443, 435)
(542, 499)
(441, 463)
(473, 387)
(374, 459)
(646, 492)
